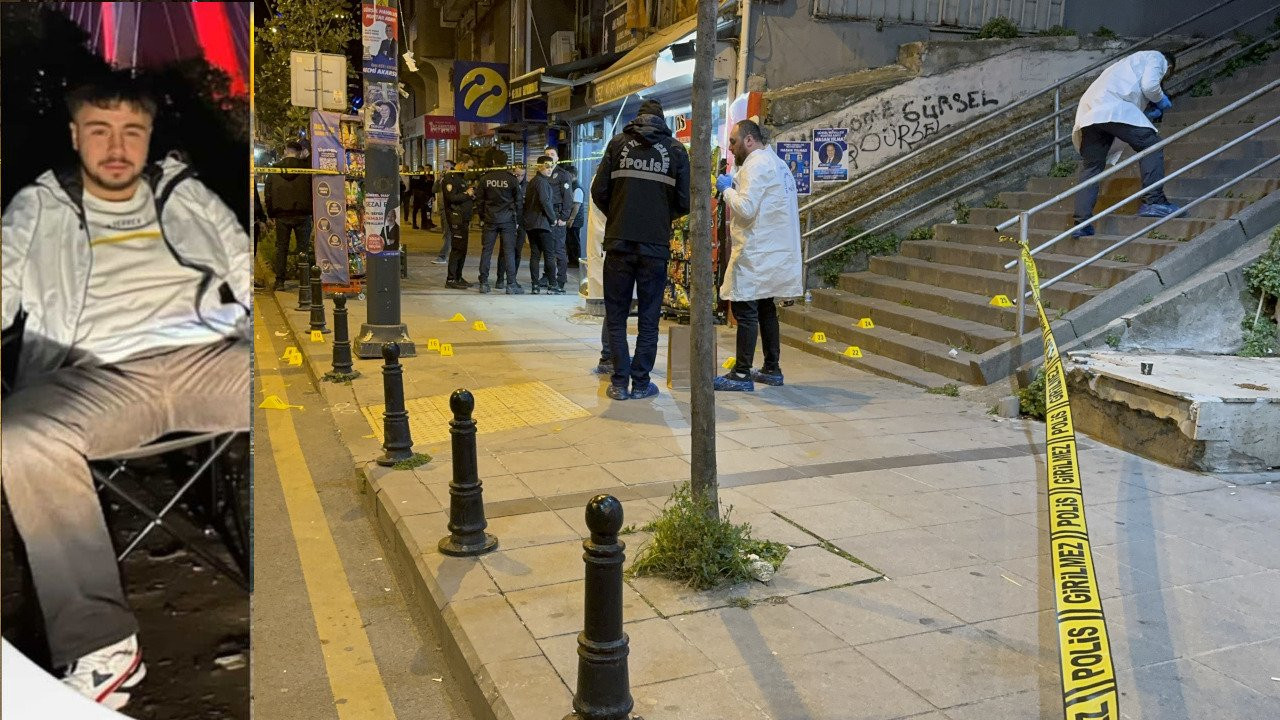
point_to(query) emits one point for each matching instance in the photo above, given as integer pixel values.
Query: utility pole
(702, 335)
(382, 204)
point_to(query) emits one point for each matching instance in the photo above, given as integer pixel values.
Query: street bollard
(397, 445)
(304, 282)
(604, 691)
(467, 525)
(317, 302)
(341, 340)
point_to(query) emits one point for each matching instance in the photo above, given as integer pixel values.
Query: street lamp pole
(382, 198)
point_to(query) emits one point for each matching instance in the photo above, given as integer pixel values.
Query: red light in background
(214, 32)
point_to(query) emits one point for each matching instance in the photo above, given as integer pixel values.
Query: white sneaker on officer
(100, 675)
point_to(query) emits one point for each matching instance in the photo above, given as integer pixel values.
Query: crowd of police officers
(546, 206)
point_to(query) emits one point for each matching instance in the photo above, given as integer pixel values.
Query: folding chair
(224, 501)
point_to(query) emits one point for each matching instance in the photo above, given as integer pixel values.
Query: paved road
(333, 637)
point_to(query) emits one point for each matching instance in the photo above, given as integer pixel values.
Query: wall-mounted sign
(379, 35)
(481, 92)
(830, 145)
(526, 87)
(617, 30)
(439, 127)
(797, 156)
(560, 100)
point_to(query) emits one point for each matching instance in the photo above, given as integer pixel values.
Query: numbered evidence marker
(292, 356)
(479, 325)
(433, 344)
(728, 364)
(317, 336)
(866, 324)
(853, 351)
(457, 317)
(446, 350)
(1001, 301)
(819, 337)
(273, 402)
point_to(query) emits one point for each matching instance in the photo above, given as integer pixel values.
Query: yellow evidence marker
(853, 351)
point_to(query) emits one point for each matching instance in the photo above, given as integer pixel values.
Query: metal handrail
(1097, 179)
(1058, 141)
(1006, 109)
(1161, 221)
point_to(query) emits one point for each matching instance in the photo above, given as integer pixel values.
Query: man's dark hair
(571, 170)
(450, 163)
(1171, 59)
(750, 129)
(294, 146)
(497, 157)
(544, 159)
(110, 91)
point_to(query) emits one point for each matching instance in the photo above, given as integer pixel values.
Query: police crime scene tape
(1089, 690)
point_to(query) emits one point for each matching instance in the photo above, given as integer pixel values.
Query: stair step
(953, 331)
(942, 300)
(1142, 250)
(1212, 209)
(895, 345)
(1117, 225)
(869, 362)
(1214, 132)
(1121, 187)
(983, 282)
(1102, 273)
(1259, 110)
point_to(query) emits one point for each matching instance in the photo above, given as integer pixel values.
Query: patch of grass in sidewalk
(336, 377)
(418, 460)
(950, 390)
(702, 551)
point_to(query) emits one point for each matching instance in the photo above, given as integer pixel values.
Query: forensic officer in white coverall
(765, 261)
(1120, 105)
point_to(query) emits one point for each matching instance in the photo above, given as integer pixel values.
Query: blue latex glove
(1153, 113)
(724, 182)
(1165, 103)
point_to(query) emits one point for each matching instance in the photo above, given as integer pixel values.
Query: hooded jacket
(642, 186)
(289, 195)
(540, 211)
(47, 259)
(500, 198)
(1122, 92)
(765, 229)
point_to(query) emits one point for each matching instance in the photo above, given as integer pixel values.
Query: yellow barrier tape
(1089, 689)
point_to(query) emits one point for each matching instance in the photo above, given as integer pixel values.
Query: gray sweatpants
(57, 423)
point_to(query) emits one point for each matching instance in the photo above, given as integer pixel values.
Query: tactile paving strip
(503, 407)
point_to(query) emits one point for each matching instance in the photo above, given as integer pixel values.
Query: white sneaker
(101, 674)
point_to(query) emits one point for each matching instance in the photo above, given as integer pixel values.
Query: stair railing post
(1057, 126)
(1022, 273)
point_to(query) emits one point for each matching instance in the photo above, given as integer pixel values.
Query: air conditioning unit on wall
(563, 49)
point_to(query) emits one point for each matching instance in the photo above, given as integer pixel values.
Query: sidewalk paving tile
(1042, 704)
(979, 592)
(1035, 637)
(845, 519)
(913, 551)
(540, 528)
(558, 609)
(934, 508)
(1186, 690)
(839, 684)
(995, 539)
(708, 696)
(1187, 622)
(565, 481)
(635, 472)
(872, 612)
(493, 630)
(457, 579)
(495, 489)
(735, 636)
(791, 494)
(1252, 665)
(530, 688)
(658, 652)
(528, 567)
(955, 666)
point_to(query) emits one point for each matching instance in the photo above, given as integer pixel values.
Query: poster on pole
(329, 216)
(831, 145)
(797, 156)
(382, 113)
(379, 36)
(327, 152)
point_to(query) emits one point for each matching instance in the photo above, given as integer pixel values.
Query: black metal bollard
(317, 302)
(304, 282)
(604, 690)
(467, 525)
(397, 445)
(341, 340)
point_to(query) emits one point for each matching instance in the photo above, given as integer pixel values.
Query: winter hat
(651, 107)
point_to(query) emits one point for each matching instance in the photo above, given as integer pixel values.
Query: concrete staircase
(930, 304)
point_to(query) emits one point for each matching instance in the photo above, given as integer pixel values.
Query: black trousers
(756, 317)
(559, 236)
(300, 229)
(510, 247)
(627, 275)
(460, 237)
(488, 240)
(1095, 144)
(421, 207)
(542, 256)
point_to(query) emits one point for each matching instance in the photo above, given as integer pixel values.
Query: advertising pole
(382, 183)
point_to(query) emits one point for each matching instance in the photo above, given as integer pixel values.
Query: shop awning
(638, 69)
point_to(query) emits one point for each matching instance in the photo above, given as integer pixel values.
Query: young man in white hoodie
(1120, 105)
(128, 286)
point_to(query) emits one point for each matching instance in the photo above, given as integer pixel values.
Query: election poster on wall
(382, 113)
(830, 146)
(328, 198)
(375, 223)
(798, 157)
(379, 39)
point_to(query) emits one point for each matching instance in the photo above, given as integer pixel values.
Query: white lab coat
(764, 226)
(1122, 92)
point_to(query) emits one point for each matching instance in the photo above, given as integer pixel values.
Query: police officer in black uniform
(562, 187)
(459, 200)
(500, 204)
